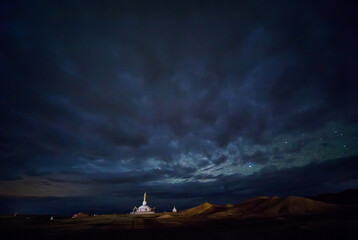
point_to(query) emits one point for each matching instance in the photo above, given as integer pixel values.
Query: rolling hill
(263, 207)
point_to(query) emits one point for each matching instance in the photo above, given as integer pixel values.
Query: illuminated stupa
(144, 209)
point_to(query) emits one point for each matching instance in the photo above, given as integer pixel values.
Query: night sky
(189, 101)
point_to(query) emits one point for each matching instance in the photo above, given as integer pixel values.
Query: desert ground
(257, 218)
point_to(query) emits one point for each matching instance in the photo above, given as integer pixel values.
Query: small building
(79, 215)
(174, 209)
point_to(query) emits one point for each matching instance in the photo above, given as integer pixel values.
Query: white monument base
(139, 213)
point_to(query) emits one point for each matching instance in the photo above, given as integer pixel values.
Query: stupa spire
(144, 209)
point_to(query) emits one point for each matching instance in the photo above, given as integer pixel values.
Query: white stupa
(174, 209)
(144, 209)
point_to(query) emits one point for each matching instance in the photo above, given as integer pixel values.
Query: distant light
(344, 146)
(250, 166)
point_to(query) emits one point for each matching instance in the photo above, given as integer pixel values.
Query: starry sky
(189, 101)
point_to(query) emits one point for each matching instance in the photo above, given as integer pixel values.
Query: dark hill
(273, 207)
(205, 207)
(345, 197)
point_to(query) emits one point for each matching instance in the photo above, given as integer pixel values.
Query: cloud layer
(144, 95)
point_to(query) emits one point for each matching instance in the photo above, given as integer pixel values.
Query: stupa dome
(144, 209)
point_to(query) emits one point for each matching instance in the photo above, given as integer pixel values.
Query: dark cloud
(220, 160)
(128, 92)
(258, 157)
(306, 180)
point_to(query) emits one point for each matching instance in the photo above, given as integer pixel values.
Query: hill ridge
(264, 207)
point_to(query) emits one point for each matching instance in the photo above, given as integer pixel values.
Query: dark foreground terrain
(259, 218)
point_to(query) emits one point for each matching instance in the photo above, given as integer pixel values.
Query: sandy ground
(268, 218)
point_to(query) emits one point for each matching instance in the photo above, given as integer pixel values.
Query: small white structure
(144, 209)
(51, 219)
(174, 209)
